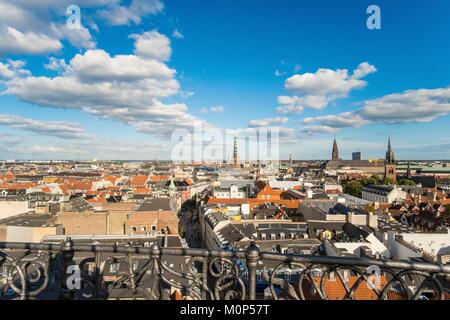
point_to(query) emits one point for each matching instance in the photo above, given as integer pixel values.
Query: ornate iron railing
(73, 271)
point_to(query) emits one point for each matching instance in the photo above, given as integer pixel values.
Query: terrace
(69, 271)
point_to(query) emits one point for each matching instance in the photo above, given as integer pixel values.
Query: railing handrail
(268, 256)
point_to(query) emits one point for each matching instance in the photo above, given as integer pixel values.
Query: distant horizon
(214, 161)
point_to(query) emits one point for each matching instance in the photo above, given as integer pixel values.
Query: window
(133, 229)
(143, 228)
(114, 267)
(153, 228)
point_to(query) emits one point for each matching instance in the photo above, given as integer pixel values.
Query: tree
(353, 188)
(407, 182)
(378, 178)
(447, 210)
(181, 231)
(388, 181)
(369, 181)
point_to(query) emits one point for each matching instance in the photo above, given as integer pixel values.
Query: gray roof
(165, 204)
(30, 220)
(226, 184)
(382, 190)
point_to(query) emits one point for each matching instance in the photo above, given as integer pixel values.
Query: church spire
(335, 152)
(408, 171)
(390, 158)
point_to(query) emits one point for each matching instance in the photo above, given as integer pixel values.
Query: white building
(405, 242)
(383, 194)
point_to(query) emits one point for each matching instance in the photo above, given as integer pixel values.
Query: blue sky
(311, 69)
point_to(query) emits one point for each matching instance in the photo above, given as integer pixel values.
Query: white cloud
(38, 27)
(153, 45)
(318, 129)
(118, 15)
(297, 104)
(363, 70)
(326, 82)
(267, 122)
(98, 65)
(58, 65)
(317, 90)
(13, 41)
(186, 94)
(79, 38)
(6, 72)
(421, 105)
(12, 69)
(279, 73)
(290, 109)
(342, 120)
(177, 34)
(215, 109)
(127, 88)
(59, 129)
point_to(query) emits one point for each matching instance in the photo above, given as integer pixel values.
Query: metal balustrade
(77, 271)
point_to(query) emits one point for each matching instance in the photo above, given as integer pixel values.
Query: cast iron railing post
(156, 292)
(252, 258)
(67, 260)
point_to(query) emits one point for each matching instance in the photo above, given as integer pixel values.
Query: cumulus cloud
(13, 41)
(153, 45)
(363, 70)
(127, 88)
(58, 65)
(98, 65)
(421, 105)
(39, 27)
(317, 90)
(80, 38)
(297, 104)
(267, 122)
(118, 15)
(12, 69)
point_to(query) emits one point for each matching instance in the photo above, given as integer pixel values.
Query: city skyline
(136, 71)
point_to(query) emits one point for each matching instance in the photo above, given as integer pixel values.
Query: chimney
(165, 239)
(350, 217)
(372, 220)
